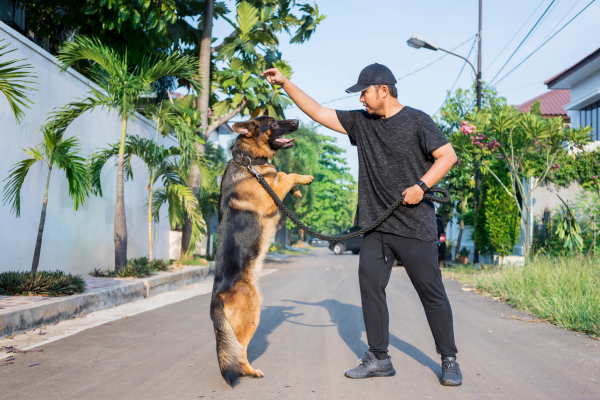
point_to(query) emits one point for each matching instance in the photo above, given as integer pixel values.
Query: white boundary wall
(73, 241)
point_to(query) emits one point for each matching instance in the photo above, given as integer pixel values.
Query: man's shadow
(350, 324)
(270, 319)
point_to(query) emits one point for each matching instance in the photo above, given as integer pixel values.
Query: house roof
(552, 102)
(573, 68)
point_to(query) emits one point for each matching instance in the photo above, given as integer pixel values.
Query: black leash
(443, 199)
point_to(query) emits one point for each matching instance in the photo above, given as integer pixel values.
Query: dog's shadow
(350, 324)
(270, 319)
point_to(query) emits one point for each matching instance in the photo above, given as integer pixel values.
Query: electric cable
(542, 45)
(515, 35)
(398, 79)
(561, 20)
(523, 41)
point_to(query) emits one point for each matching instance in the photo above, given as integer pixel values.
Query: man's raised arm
(325, 116)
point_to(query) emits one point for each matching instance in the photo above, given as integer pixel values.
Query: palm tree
(161, 163)
(121, 87)
(13, 85)
(54, 150)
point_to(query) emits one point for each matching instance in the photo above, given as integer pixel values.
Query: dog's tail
(229, 349)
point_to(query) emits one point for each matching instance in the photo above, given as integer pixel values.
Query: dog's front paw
(257, 374)
(305, 179)
(297, 194)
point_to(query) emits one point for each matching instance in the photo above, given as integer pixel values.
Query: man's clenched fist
(274, 76)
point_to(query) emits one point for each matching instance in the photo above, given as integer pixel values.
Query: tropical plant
(568, 229)
(233, 75)
(527, 145)
(13, 83)
(501, 221)
(57, 151)
(43, 283)
(161, 164)
(121, 88)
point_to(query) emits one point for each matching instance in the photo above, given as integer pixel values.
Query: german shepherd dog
(247, 223)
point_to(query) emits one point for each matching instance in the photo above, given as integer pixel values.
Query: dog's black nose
(294, 122)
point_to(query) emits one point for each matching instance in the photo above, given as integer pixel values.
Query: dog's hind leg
(245, 324)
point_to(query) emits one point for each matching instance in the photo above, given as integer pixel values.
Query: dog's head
(263, 136)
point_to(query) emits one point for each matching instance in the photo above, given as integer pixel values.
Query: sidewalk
(22, 313)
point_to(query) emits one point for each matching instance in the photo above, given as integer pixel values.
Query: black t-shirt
(394, 153)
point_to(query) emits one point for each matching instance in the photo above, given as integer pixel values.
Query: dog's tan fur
(241, 301)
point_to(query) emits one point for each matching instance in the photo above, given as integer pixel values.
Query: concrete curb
(20, 319)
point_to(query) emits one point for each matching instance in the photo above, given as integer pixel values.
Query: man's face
(372, 100)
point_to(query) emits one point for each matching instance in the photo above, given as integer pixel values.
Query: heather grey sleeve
(348, 120)
(430, 136)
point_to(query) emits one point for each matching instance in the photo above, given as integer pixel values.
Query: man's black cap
(374, 74)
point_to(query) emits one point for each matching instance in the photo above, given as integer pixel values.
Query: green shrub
(464, 252)
(44, 283)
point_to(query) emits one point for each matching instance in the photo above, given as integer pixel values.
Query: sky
(357, 33)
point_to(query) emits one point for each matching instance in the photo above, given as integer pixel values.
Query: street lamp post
(418, 41)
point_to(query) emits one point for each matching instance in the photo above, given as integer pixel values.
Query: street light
(418, 41)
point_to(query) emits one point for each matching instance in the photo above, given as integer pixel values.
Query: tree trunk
(476, 198)
(203, 100)
(120, 222)
(150, 248)
(463, 210)
(38, 242)
(208, 235)
(460, 233)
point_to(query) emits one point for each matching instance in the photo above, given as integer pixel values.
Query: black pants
(420, 261)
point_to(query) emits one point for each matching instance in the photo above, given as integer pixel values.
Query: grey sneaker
(451, 375)
(370, 366)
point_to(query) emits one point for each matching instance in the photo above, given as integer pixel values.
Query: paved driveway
(311, 331)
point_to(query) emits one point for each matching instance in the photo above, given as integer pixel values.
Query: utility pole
(477, 169)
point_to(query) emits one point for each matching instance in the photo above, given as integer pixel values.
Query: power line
(561, 20)
(542, 45)
(399, 79)
(458, 77)
(520, 87)
(523, 41)
(513, 38)
(431, 63)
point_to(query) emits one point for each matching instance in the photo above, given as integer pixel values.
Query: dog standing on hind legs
(248, 219)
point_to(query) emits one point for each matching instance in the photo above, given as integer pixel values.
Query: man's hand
(274, 76)
(413, 195)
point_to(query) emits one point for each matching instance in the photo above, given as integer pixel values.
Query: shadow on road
(349, 320)
(270, 318)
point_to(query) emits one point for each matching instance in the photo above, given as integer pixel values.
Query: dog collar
(245, 160)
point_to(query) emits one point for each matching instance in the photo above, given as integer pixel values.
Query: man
(401, 152)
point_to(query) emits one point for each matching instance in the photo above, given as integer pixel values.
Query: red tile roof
(574, 67)
(552, 102)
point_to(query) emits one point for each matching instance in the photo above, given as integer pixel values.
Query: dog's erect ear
(244, 128)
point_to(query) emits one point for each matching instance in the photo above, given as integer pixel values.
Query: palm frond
(96, 163)
(13, 83)
(16, 177)
(68, 159)
(60, 118)
(90, 48)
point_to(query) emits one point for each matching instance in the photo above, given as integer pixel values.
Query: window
(590, 116)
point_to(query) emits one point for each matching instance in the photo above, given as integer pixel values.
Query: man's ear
(244, 128)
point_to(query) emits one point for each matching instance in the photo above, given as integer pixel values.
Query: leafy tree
(301, 159)
(459, 183)
(121, 87)
(334, 191)
(57, 151)
(251, 48)
(13, 83)
(536, 108)
(527, 145)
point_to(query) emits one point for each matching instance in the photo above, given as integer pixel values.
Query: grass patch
(44, 283)
(196, 260)
(564, 291)
(293, 252)
(136, 268)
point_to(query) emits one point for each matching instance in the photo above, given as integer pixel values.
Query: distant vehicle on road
(353, 245)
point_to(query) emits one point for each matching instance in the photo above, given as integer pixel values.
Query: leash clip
(251, 168)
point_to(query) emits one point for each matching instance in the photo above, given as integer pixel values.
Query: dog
(248, 219)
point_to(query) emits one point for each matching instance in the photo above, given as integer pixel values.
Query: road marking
(63, 329)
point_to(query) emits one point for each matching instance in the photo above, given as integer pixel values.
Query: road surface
(311, 331)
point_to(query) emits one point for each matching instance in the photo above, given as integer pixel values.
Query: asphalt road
(311, 331)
